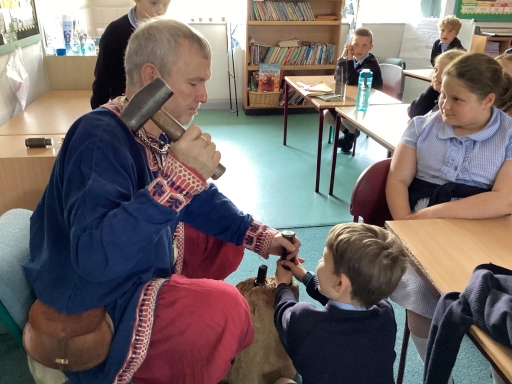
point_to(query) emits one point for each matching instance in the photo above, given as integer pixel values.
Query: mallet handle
(288, 235)
(173, 130)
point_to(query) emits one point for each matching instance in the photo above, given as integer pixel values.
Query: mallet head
(145, 103)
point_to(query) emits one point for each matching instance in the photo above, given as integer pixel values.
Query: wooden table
(24, 172)
(383, 123)
(445, 253)
(421, 74)
(376, 97)
(51, 114)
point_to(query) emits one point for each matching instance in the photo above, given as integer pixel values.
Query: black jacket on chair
(486, 302)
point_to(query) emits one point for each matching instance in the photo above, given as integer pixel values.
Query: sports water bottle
(363, 90)
(340, 76)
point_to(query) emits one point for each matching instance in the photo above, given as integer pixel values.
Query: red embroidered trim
(113, 106)
(176, 184)
(141, 334)
(259, 238)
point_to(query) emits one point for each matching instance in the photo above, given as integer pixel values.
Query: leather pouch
(67, 342)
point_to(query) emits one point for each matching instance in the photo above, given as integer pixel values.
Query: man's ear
(371, 47)
(148, 73)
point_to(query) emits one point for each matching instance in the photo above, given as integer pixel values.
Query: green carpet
(275, 183)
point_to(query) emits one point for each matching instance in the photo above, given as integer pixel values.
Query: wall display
(484, 10)
(17, 20)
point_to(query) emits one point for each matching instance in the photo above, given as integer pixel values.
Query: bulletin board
(484, 10)
(17, 20)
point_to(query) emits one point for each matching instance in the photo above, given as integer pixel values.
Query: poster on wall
(17, 20)
(484, 10)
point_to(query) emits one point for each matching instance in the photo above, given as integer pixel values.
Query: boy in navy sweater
(352, 338)
(359, 57)
(449, 28)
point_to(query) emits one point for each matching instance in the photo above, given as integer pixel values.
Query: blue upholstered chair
(16, 295)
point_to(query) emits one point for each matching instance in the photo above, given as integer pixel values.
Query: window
(397, 11)
(234, 10)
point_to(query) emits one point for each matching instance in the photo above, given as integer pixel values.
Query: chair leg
(355, 142)
(11, 325)
(331, 134)
(403, 354)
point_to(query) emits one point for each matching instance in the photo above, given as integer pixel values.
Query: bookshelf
(271, 31)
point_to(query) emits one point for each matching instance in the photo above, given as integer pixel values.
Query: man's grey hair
(157, 41)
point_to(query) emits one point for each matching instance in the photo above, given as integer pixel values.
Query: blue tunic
(97, 235)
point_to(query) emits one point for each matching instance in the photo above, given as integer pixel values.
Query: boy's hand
(282, 275)
(279, 242)
(348, 52)
(298, 270)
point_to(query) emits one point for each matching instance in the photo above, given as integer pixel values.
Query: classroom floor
(275, 184)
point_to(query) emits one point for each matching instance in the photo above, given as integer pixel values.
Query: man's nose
(202, 95)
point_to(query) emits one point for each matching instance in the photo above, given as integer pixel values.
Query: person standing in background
(109, 75)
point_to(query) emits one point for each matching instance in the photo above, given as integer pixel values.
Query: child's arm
(313, 292)
(308, 279)
(424, 103)
(433, 54)
(284, 304)
(401, 173)
(496, 203)
(352, 73)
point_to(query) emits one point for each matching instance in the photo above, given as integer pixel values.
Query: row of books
(307, 54)
(281, 11)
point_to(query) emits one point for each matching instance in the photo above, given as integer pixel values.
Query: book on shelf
(326, 17)
(269, 78)
(257, 51)
(308, 53)
(253, 84)
(289, 42)
(281, 11)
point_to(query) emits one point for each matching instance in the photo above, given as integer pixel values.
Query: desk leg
(334, 153)
(285, 131)
(319, 149)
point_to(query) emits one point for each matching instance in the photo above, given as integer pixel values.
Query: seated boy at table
(449, 28)
(351, 339)
(359, 57)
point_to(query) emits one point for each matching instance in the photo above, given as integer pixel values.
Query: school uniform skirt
(412, 293)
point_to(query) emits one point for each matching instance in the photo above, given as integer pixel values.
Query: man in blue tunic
(102, 234)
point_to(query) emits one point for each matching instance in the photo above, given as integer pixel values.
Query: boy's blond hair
(450, 22)
(503, 58)
(364, 32)
(450, 55)
(372, 258)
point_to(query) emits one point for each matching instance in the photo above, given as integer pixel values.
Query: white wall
(217, 86)
(34, 65)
